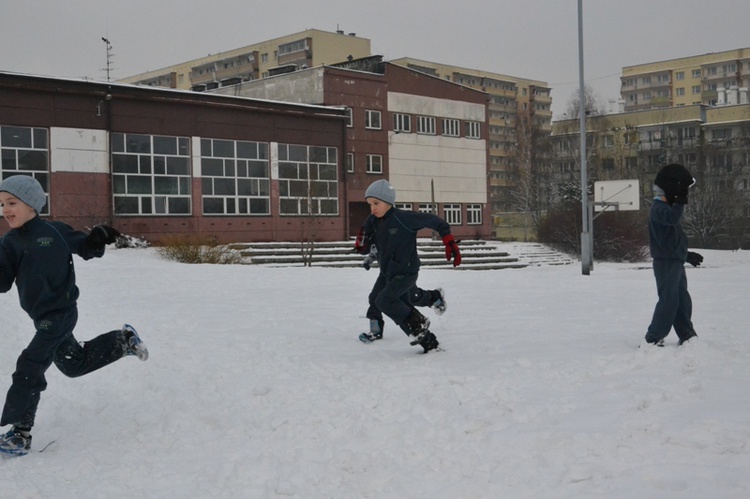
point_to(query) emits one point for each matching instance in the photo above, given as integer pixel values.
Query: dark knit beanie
(672, 179)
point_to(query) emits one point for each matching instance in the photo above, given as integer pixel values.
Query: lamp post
(586, 243)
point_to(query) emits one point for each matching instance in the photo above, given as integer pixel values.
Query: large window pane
(154, 176)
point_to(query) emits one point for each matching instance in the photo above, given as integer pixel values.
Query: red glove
(362, 243)
(451, 250)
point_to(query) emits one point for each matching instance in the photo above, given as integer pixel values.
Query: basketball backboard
(613, 195)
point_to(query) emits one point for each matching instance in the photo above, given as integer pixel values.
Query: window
(427, 208)
(25, 151)
(151, 174)
(372, 119)
(724, 160)
(451, 127)
(679, 92)
(679, 75)
(374, 163)
(608, 164)
(295, 46)
(685, 133)
(235, 177)
(452, 213)
(350, 162)
(722, 134)
(349, 117)
(696, 73)
(401, 123)
(263, 57)
(473, 130)
(426, 125)
(404, 206)
(308, 180)
(474, 214)
(609, 140)
(696, 89)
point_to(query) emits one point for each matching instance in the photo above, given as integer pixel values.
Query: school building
(156, 162)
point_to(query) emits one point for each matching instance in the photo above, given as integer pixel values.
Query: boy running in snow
(395, 237)
(668, 245)
(432, 298)
(37, 256)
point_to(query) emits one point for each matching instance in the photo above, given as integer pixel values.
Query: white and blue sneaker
(440, 305)
(15, 442)
(133, 343)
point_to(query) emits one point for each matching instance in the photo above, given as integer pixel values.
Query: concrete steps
(476, 255)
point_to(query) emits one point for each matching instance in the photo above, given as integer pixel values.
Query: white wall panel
(79, 150)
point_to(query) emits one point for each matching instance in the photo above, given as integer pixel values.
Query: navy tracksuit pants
(675, 307)
(54, 342)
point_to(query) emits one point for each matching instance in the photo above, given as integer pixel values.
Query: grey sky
(527, 38)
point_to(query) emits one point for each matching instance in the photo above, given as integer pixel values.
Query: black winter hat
(674, 179)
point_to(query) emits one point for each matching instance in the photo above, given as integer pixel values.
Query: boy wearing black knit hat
(37, 256)
(394, 234)
(668, 245)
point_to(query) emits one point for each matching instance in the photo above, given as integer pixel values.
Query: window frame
(370, 162)
(135, 158)
(373, 120)
(452, 213)
(426, 125)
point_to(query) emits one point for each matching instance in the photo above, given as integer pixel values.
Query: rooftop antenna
(109, 58)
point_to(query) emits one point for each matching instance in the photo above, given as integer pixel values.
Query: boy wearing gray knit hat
(37, 256)
(27, 189)
(393, 232)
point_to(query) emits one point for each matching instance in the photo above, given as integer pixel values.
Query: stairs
(476, 255)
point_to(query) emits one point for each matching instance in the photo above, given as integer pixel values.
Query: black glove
(682, 193)
(363, 242)
(694, 258)
(102, 235)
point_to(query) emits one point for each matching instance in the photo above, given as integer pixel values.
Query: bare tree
(531, 191)
(593, 106)
(715, 201)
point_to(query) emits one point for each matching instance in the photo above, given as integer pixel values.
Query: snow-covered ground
(258, 388)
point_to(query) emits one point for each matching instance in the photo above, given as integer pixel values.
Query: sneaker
(440, 305)
(133, 343)
(418, 325)
(429, 342)
(659, 343)
(15, 442)
(689, 337)
(370, 337)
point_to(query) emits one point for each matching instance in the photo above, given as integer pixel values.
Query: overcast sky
(535, 39)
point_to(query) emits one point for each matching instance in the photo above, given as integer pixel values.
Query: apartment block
(305, 49)
(713, 142)
(710, 79)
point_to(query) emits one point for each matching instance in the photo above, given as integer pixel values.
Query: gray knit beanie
(382, 190)
(27, 189)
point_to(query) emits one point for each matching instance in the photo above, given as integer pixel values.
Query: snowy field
(257, 387)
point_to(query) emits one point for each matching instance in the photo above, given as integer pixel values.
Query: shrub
(618, 236)
(197, 249)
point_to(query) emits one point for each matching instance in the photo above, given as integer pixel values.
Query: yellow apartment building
(307, 48)
(710, 79)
